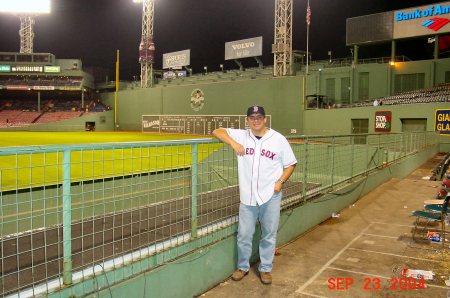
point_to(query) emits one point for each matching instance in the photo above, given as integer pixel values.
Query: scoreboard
(190, 124)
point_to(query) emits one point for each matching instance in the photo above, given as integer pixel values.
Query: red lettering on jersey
(268, 154)
(249, 151)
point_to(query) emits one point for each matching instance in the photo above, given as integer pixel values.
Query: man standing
(265, 163)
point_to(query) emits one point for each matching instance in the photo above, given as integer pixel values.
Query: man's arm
(222, 134)
(287, 172)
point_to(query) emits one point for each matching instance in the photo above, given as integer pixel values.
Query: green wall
(338, 121)
(281, 97)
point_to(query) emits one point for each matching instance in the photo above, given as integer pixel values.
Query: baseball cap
(256, 110)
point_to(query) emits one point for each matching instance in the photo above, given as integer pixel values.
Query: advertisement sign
(43, 87)
(5, 68)
(177, 59)
(17, 87)
(251, 47)
(442, 121)
(174, 74)
(53, 69)
(424, 20)
(383, 121)
(27, 68)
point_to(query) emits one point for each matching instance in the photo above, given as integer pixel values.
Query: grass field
(25, 138)
(19, 171)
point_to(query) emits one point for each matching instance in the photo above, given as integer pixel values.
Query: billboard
(27, 68)
(251, 47)
(371, 28)
(53, 69)
(174, 74)
(383, 121)
(177, 59)
(442, 121)
(421, 21)
(5, 68)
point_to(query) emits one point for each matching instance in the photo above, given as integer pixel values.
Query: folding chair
(436, 205)
(429, 217)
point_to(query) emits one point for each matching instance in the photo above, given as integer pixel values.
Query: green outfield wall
(284, 98)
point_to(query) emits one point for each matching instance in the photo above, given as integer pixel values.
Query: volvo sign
(251, 47)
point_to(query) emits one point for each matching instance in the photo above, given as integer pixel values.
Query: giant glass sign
(442, 121)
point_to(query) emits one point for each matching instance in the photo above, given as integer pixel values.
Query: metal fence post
(67, 220)
(352, 142)
(305, 169)
(194, 220)
(333, 144)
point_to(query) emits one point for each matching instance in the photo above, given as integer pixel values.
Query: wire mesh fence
(69, 211)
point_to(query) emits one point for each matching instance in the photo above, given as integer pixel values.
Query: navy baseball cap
(256, 110)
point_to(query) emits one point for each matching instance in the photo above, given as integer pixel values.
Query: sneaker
(266, 278)
(238, 275)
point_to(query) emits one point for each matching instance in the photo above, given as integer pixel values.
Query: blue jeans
(268, 215)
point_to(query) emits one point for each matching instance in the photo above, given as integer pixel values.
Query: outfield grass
(25, 138)
(39, 169)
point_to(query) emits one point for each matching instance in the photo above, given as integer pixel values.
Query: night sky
(92, 30)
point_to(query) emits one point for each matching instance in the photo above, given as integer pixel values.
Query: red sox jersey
(261, 165)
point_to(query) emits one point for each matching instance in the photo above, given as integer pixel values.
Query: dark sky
(92, 30)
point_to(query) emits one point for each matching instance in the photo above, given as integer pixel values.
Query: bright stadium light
(25, 6)
(137, 1)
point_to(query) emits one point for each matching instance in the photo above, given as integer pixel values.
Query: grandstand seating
(57, 116)
(438, 93)
(219, 76)
(14, 118)
(23, 112)
(30, 82)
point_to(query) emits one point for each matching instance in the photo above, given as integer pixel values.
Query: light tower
(147, 47)
(26, 33)
(282, 47)
(26, 10)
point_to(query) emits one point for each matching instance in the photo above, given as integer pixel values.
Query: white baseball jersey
(262, 164)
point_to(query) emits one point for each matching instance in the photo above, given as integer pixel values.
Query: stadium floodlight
(26, 10)
(25, 6)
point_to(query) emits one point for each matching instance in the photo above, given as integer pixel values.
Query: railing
(68, 212)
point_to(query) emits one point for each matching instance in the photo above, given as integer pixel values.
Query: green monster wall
(284, 98)
(281, 97)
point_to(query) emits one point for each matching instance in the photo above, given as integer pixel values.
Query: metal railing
(68, 212)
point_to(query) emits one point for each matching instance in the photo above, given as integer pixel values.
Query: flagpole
(308, 15)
